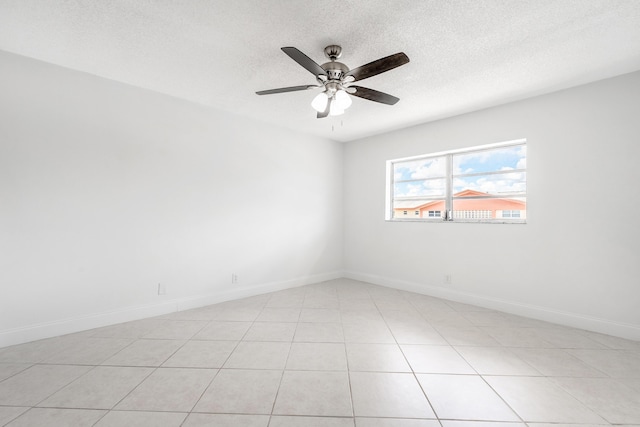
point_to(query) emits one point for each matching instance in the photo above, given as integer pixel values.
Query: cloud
(493, 184)
(431, 168)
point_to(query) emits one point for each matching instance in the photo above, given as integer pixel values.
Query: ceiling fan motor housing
(335, 70)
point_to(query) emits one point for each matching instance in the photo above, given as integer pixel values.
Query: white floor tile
(448, 423)
(37, 351)
(58, 418)
(376, 358)
(395, 422)
(568, 425)
(320, 315)
(279, 315)
(176, 329)
(223, 420)
(10, 369)
(135, 329)
(486, 318)
(285, 421)
(436, 359)
(145, 352)
(271, 331)
(556, 362)
(615, 363)
(360, 313)
(615, 343)
(8, 413)
(239, 391)
(609, 398)
(496, 361)
(89, 351)
(101, 388)
(201, 354)
(141, 419)
(567, 338)
(419, 332)
(259, 355)
(472, 336)
(517, 337)
(539, 400)
(234, 314)
(321, 301)
(388, 395)
(317, 357)
(169, 389)
(223, 331)
(371, 333)
(314, 393)
(30, 387)
(444, 319)
(319, 332)
(286, 301)
(464, 397)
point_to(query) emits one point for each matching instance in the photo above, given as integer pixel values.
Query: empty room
(319, 214)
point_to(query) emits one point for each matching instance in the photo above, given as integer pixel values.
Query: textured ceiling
(465, 54)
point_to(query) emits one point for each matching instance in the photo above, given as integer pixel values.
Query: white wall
(576, 261)
(107, 190)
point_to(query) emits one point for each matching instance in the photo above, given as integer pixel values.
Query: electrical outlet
(162, 289)
(234, 279)
(447, 279)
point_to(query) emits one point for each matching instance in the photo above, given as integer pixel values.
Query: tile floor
(336, 354)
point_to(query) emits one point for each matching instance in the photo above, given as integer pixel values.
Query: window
(511, 214)
(480, 184)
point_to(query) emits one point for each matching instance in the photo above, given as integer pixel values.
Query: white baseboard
(98, 320)
(580, 321)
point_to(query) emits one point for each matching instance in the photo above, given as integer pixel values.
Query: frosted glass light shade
(319, 103)
(342, 100)
(335, 110)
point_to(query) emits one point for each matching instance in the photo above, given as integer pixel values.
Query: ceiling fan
(336, 80)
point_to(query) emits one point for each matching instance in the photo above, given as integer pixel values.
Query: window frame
(448, 214)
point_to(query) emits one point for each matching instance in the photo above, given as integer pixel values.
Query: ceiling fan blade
(379, 66)
(286, 89)
(325, 113)
(374, 95)
(305, 61)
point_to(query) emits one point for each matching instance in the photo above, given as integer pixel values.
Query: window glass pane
(425, 208)
(497, 159)
(420, 169)
(429, 187)
(494, 184)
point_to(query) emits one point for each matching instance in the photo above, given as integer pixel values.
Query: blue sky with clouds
(499, 169)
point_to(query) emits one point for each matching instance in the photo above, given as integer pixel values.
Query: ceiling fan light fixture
(342, 100)
(319, 103)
